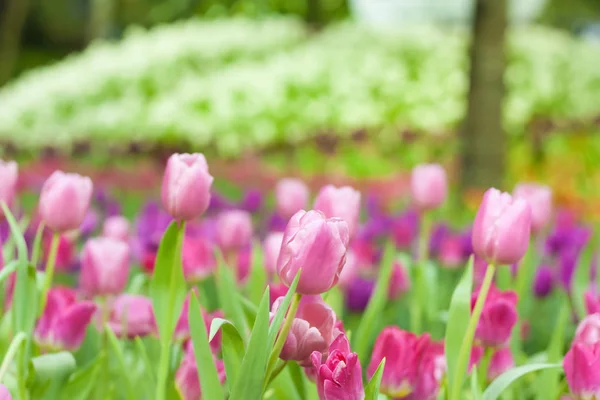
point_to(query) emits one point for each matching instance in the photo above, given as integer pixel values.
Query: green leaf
(249, 383)
(148, 367)
(258, 275)
(8, 269)
(475, 389)
(233, 346)
(48, 373)
(230, 303)
(118, 351)
(581, 281)
(250, 309)
(282, 311)
(167, 286)
(372, 389)
(458, 319)
(16, 234)
(500, 384)
(82, 382)
(298, 377)
(37, 244)
(207, 370)
(367, 326)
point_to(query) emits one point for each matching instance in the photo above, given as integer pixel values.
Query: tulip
(131, 316)
(271, 248)
(404, 229)
(539, 198)
(89, 224)
(182, 329)
(186, 377)
(276, 290)
(340, 376)
(592, 302)
(358, 293)
(313, 329)
(544, 281)
(498, 317)
(429, 186)
(291, 196)
(588, 331)
(116, 227)
(452, 252)
(198, 259)
(8, 183)
(341, 203)
(316, 245)
(186, 186)
(65, 254)
(64, 321)
(399, 281)
(350, 270)
(502, 360)
(104, 267)
(234, 230)
(502, 228)
(4, 393)
(582, 370)
(65, 200)
(252, 201)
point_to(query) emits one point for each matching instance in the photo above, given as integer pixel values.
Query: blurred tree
(483, 140)
(101, 19)
(12, 18)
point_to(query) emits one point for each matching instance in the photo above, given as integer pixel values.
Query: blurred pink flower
(291, 196)
(186, 377)
(429, 186)
(582, 370)
(343, 202)
(498, 317)
(131, 316)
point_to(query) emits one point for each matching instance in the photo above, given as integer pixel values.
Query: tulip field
(294, 293)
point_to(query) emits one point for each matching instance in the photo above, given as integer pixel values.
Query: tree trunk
(100, 19)
(313, 13)
(12, 18)
(483, 141)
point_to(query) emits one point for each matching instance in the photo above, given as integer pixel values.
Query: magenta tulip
(104, 267)
(316, 245)
(588, 331)
(291, 196)
(502, 228)
(582, 370)
(4, 393)
(502, 360)
(399, 281)
(271, 248)
(116, 227)
(339, 377)
(8, 183)
(592, 301)
(498, 317)
(131, 316)
(198, 259)
(234, 229)
(65, 200)
(341, 203)
(186, 186)
(429, 186)
(186, 377)
(539, 198)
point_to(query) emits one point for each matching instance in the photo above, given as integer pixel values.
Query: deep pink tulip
(104, 267)
(291, 196)
(116, 227)
(429, 186)
(186, 186)
(66, 253)
(539, 198)
(313, 329)
(234, 229)
(131, 316)
(182, 329)
(502, 360)
(339, 377)
(316, 245)
(341, 203)
(198, 259)
(276, 290)
(9, 172)
(452, 252)
(588, 331)
(592, 301)
(502, 228)
(4, 393)
(582, 370)
(186, 377)
(271, 248)
(62, 325)
(498, 317)
(65, 200)
(399, 281)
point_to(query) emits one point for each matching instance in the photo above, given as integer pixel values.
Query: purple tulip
(358, 293)
(252, 201)
(89, 224)
(9, 172)
(341, 203)
(544, 281)
(291, 196)
(104, 267)
(429, 186)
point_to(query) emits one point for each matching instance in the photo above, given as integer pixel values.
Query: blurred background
(341, 91)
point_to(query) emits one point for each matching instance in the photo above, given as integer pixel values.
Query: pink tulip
(399, 281)
(313, 329)
(340, 375)
(116, 227)
(291, 196)
(316, 245)
(104, 267)
(9, 172)
(186, 186)
(588, 331)
(62, 325)
(198, 259)
(276, 291)
(502, 228)
(539, 198)
(350, 270)
(592, 302)
(498, 317)
(64, 201)
(341, 203)
(66, 253)
(131, 316)
(234, 229)
(582, 370)
(429, 186)
(271, 248)
(502, 360)
(186, 377)
(4, 393)
(182, 329)
(452, 253)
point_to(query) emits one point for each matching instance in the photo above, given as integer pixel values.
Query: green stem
(277, 371)
(37, 245)
(104, 316)
(467, 343)
(420, 292)
(10, 353)
(484, 365)
(165, 342)
(50, 264)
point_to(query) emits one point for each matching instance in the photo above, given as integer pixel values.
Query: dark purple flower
(358, 293)
(152, 222)
(544, 281)
(438, 234)
(218, 203)
(252, 201)
(405, 229)
(277, 223)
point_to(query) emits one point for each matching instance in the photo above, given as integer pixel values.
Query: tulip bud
(8, 183)
(341, 203)
(588, 331)
(65, 200)
(498, 317)
(186, 377)
(271, 247)
(399, 281)
(502, 228)
(539, 198)
(582, 370)
(4, 393)
(116, 227)
(234, 229)
(316, 245)
(502, 360)
(340, 375)
(592, 302)
(104, 267)
(198, 259)
(291, 196)
(186, 186)
(131, 316)
(429, 186)
(544, 281)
